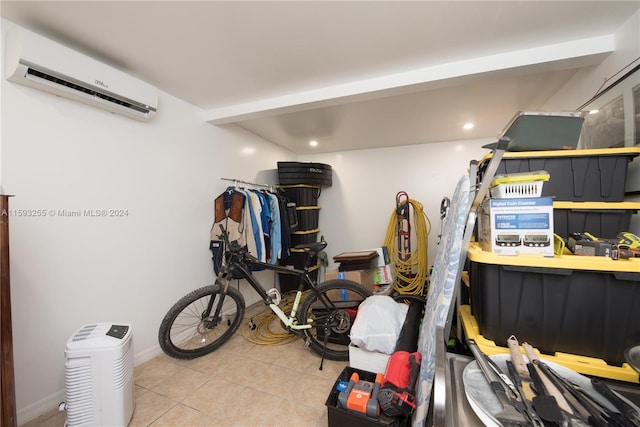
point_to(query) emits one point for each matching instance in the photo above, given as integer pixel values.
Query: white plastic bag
(378, 323)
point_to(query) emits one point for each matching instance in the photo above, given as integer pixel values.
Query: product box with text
(515, 226)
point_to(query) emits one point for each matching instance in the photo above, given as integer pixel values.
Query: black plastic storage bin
(308, 217)
(297, 258)
(305, 173)
(302, 194)
(290, 282)
(603, 220)
(582, 305)
(339, 417)
(304, 236)
(597, 175)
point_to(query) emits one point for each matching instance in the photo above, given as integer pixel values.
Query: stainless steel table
(458, 413)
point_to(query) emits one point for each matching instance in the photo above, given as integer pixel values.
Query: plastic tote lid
(534, 131)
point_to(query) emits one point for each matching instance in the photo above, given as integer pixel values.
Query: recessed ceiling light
(594, 111)
(313, 143)
(468, 126)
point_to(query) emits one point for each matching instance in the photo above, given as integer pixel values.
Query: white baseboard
(146, 355)
(40, 407)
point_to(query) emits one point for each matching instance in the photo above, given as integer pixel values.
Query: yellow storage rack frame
(581, 364)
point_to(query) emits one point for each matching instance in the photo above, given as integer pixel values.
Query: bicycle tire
(184, 334)
(332, 323)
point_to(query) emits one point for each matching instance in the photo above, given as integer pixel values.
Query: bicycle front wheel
(190, 328)
(331, 310)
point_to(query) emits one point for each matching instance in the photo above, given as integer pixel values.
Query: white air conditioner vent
(83, 333)
(35, 61)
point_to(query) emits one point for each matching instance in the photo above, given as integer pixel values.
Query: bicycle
(203, 320)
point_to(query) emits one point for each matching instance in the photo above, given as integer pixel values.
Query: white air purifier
(99, 376)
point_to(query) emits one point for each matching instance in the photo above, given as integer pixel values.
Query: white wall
(69, 271)
(584, 84)
(356, 208)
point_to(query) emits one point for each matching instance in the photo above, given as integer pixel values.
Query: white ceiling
(351, 75)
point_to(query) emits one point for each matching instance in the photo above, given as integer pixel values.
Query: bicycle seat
(312, 247)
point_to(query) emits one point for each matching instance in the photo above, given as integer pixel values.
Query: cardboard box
(383, 256)
(383, 275)
(383, 289)
(372, 361)
(514, 226)
(363, 277)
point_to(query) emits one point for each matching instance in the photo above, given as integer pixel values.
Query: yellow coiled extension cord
(265, 328)
(411, 273)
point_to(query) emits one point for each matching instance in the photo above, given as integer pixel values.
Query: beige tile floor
(241, 384)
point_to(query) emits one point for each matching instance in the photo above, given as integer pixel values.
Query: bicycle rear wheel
(188, 331)
(331, 311)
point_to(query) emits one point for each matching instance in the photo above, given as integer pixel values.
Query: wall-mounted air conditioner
(35, 61)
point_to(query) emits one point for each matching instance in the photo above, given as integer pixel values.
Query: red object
(352, 312)
(398, 369)
(397, 395)
(404, 225)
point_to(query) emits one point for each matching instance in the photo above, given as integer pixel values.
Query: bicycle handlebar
(230, 246)
(224, 235)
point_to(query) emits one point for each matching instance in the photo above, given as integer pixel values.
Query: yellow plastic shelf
(315, 230)
(597, 205)
(567, 261)
(581, 364)
(568, 153)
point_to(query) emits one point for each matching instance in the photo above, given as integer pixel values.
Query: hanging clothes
(255, 212)
(276, 238)
(285, 229)
(229, 212)
(232, 212)
(257, 219)
(266, 221)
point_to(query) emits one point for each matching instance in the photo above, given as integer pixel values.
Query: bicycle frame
(237, 265)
